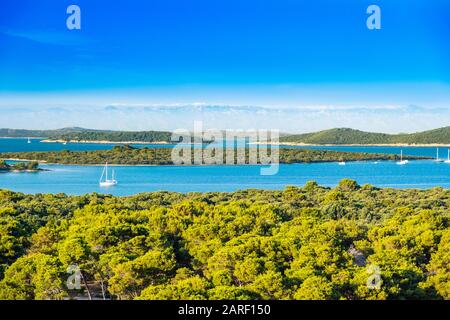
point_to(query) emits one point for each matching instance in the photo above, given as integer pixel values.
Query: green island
(350, 242)
(346, 136)
(337, 136)
(115, 136)
(20, 133)
(82, 135)
(31, 166)
(90, 135)
(128, 155)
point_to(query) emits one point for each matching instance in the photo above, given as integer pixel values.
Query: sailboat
(107, 182)
(402, 162)
(437, 155)
(448, 157)
(341, 163)
(29, 141)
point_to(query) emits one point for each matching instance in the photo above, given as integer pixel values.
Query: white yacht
(437, 156)
(402, 162)
(448, 157)
(107, 182)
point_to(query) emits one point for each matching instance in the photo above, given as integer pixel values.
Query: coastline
(33, 138)
(294, 144)
(22, 171)
(359, 144)
(103, 141)
(199, 165)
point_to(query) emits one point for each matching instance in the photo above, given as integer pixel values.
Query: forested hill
(16, 133)
(338, 136)
(116, 136)
(351, 136)
(299, 243)
(81, 134)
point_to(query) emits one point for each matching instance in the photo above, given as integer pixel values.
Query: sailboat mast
(103, 173)
(106, 167)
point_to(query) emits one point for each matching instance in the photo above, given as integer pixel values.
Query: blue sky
(309, 57)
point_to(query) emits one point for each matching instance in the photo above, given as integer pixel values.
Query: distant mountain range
(342, 136)
(338, 136)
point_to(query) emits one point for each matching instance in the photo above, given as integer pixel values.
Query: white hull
(437, 156)
(341, 163)
(109, 183)
(402, 162)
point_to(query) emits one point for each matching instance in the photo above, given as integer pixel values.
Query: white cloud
(388, 118)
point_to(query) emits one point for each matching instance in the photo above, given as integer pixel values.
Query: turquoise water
(411, 151)
(132, 180)
(22, 145)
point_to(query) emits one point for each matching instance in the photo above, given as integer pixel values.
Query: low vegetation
(81, 134)
(127, 155)
(20, 133)
(333, 136)
(300, 243)
(351, 136)
(19, 166)
(116, 136)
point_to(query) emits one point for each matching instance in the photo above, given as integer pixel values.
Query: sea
(78, 180)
